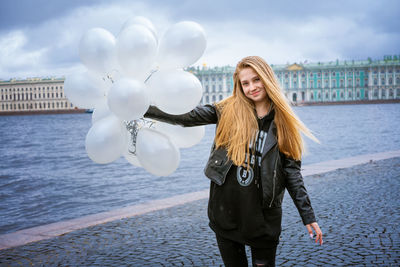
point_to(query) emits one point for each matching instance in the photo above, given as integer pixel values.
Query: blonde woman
(256, 155)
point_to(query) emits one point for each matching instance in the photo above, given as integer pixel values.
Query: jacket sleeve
(201, 115)
(295, 186)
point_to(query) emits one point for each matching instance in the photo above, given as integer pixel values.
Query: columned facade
(33, 95)
(317, 82)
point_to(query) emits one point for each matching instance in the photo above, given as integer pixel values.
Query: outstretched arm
(201, 115)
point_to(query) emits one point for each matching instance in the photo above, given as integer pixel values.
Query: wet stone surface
(357, 210)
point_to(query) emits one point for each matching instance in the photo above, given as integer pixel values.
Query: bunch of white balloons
(125, 75)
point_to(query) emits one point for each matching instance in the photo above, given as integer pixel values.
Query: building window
(383, 93)
(319, 84)
(319, 95)
(391, 93)
(334, 95)
(333, 83)
(213, 88)
(358, 94)
(206, 88)
(341, 83)
(375, 81)
(383, 81)
(326, 95)
(358, 82)
(326, 83)
(220, 97)
(376, 93)
(341, 94)
(390, 81)
(349, 93)
(333, 74)
(366, 93)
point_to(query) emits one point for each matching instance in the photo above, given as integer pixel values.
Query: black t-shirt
(235, 208)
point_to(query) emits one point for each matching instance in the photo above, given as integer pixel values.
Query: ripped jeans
(233, 254)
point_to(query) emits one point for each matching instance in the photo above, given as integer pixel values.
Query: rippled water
(46, 176)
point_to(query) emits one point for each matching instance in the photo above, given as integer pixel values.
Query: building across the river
(321, 82)
(347, 81)
(34, 95)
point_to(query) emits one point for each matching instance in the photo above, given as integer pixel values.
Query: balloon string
(133, 128)
(151, 73)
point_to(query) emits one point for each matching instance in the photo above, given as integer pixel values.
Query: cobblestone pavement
(358, 210)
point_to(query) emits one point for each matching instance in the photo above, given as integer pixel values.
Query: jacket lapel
(271, 139)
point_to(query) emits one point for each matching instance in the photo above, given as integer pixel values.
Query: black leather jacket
(277, 171)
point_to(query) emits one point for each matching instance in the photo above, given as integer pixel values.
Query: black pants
(233, 254)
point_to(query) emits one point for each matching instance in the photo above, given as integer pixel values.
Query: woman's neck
(262, 108)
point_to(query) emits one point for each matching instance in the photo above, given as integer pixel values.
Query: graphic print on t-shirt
(246, 176)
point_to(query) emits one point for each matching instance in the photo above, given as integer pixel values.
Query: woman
(255, 156)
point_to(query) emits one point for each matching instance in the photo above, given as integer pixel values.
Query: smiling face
(252, 86)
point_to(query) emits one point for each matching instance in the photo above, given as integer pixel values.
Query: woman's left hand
(317, 230)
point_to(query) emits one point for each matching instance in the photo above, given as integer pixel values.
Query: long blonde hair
(237, 127)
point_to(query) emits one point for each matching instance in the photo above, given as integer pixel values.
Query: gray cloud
(40, 38)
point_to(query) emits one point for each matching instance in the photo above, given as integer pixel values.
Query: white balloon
(85, 90)
(175, 91)
(136, 50)
(127, 99)
(106, 140)
(181, 136)
(97, 50)
(156, 153)
(181, 45)
(100, 111)
(139, 20)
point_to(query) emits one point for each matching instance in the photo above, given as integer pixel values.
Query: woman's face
(253, 88)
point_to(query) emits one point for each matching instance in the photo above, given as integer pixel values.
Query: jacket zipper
(273, 182)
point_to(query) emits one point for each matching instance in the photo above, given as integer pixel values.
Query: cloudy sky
(40, 38)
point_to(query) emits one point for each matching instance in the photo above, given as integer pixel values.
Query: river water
(46, 176)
